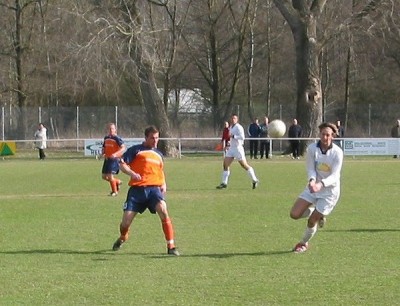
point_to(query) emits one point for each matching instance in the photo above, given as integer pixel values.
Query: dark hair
(328, 125)
(150, 130)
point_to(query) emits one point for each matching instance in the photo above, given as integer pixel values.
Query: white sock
(309, 233)
(251, 173)
(225, 177)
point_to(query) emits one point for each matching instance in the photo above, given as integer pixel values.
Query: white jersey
(325, 167)
(237, 135)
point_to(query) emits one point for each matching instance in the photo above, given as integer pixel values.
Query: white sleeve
(310, 162)
(240, 133)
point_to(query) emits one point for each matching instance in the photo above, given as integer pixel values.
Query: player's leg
(132, 206)
(124, 227)
(226, 170)
(301, 208)
(250, 171)
(167, 227)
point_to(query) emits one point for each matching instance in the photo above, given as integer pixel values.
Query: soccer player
(324, 161)
(236, 151)
(112, 150)
(144, 164)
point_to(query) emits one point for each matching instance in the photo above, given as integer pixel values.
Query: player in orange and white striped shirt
(144, 164)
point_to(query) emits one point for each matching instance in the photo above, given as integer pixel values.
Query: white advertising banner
(371, 146)
(93, 146)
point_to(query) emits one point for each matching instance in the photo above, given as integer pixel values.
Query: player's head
(327, 132)
(111, 128)
(234, 119)
(151, 135)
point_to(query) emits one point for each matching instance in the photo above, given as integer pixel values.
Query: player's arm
(124, 167)
(120, 152)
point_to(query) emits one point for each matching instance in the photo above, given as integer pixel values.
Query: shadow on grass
(228, 255)
(109, 252)
(365, 230)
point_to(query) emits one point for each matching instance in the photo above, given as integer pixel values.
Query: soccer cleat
(300, 247)
(113, 194)
(173, 251)
(117, 244)
(222, 186)
(255, 184)
(321, 222)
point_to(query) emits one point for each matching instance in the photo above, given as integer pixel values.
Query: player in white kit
(236, 151)
(324, 164)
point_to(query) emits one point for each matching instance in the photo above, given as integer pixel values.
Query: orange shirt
(148, 163)
(111, 144)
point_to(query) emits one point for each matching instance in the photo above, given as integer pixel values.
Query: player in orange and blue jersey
(112, 150)
(145, 166)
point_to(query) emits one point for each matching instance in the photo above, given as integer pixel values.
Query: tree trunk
(20, 89)
(309, 91)
(156, 113)
(302, 19)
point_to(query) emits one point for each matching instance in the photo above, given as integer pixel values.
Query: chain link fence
(89, 122)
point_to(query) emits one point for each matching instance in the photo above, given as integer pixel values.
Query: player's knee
(162, 210)
(294, 215)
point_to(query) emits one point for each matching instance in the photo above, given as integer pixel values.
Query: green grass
(57, 226)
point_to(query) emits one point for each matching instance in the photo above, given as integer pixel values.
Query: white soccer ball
(276, 128)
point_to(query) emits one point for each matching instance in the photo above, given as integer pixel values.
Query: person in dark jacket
(295, 131)
(265, 142)
(254, 133)
(395, 133)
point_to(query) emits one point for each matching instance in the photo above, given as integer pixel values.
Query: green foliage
(57, 227)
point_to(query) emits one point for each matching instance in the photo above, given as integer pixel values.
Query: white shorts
(324, 200)
(236, 152)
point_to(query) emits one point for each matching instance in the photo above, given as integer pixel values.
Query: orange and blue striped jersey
(148, 162)
(111, 144)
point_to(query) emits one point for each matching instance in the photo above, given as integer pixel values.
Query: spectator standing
(226, 137)
(41, 140)
(339, 134)
(264, 143)
(254, 133)
(395, 133)
(295, 131)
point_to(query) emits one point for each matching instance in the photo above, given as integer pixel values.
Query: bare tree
(156, 111)
(20, 32)
(302, 17)
(215, 43)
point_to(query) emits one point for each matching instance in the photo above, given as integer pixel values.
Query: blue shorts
(110, 165)
(140, 198)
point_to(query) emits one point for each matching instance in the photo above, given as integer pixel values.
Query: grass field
(57, 226)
